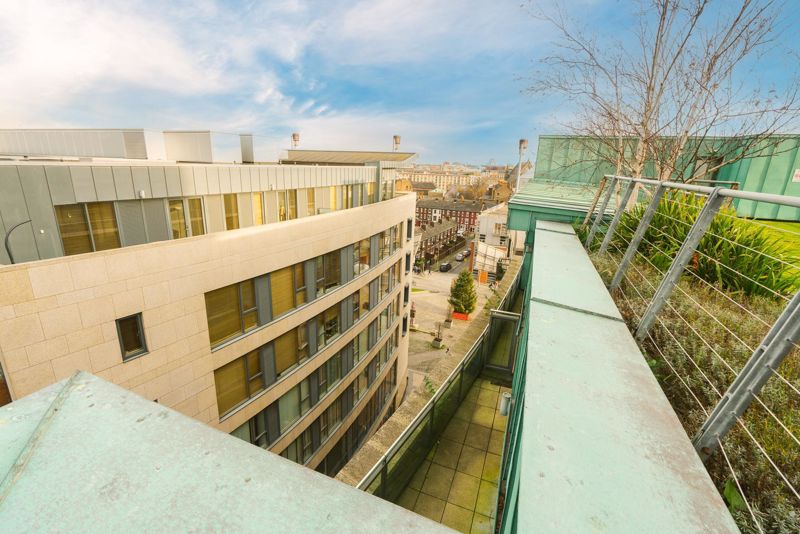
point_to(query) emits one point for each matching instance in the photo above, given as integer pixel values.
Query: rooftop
(84, 455)
(344, 157)
(460, 205)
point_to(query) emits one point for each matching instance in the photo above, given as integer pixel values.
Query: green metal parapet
(593, 444)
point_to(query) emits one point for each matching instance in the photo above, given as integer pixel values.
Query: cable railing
(393, 471)
(713, 299)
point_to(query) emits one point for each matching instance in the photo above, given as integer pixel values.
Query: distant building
(423, 189)
(499, 192)
(433, 237)
(493, 230)
(463, 212)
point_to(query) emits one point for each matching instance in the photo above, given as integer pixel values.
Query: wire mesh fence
(713, 300)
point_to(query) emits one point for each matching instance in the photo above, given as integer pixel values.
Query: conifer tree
(463, 296)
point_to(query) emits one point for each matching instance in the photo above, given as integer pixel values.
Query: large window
(329, 272)
(231, 212)
(385, 244)
(333, 198)
(87, 227)
(397, 234)
(360, 345)
(287, 205)
(328, 326)
(360, 302)
(231, 311)
(361, 257)
(330, 418)
(300, 450)
(294, 404)
(291, 349)
(329, 374)
(238, 381)
(288, 288)
(292, 202)
(258, 208)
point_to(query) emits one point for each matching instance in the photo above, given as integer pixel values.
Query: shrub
(463, 296)
(734, 254)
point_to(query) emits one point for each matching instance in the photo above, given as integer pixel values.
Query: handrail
(730, 193)
(374, 472)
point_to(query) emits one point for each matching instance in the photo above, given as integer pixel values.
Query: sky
(449, 76)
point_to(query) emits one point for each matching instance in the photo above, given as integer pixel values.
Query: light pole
(523, 146)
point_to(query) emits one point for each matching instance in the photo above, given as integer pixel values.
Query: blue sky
(447, 75)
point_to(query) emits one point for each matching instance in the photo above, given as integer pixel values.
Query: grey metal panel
(174, 182)
(267, 353)
(155, 219)
(40, 210)
(103, 184)
(84, 183)
(187, 181)
(245, 202)
(346, 312)
(310, 272)
(60, 184)
(374, 242)
(372, 334)
(225, 185)
(374, 288)
(273, 422)
(212, 176)
(141, 182)
(200, 180)
(311, 336)
(13, 210)
(123, 183)
(346, 261)
(158, 182)
(263, 299)
(313, 388)
(131, 223)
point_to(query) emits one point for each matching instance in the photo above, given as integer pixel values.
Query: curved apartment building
(268, 301)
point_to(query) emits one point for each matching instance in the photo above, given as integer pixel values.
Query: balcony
(589, 442)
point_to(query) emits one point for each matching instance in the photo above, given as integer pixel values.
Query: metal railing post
(772, 350)
(601, 212)
(641, 229)
(680, 262)
(596, 198)
(617, 216)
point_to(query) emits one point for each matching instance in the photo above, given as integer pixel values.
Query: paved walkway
(457, 483)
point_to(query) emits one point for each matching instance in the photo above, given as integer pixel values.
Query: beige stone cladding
(58, 315)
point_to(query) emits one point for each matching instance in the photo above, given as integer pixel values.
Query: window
(74, 228)
(131, 336)
(282, 205)
(311, 208)
(231, 311)
(502, 240)
(301, 449)
(360, 345)
(294, 404)
(238, 381)
(333, 198)
(408, 263)
(288, 289)
(258, 208)
(327, 326)
(371, 192)
(384, 244)
(87, 227)
(329, 272)
(361, 384)
(406, 294)
(196, 222)
(398, 236)
(177, 219)
(384, 283)
(291, 349)
(330, 418)
(397, 270)
(360, 302)
(482, 238)
(405, 325)
(361, 257)
(231, 212)
(292, 203)
(329, 374)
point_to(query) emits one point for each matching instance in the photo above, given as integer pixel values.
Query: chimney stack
(295, 140)
(396, 143)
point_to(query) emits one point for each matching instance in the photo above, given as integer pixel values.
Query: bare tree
(671, 99)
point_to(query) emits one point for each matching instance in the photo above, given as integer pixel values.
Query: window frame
(140, 327)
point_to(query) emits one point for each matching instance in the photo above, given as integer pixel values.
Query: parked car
(465, 253)
(459, 257)
(445, 267)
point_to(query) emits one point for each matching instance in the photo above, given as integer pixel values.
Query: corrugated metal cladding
(130, 221)
(87, 143)
(571, 159)
(155, 219)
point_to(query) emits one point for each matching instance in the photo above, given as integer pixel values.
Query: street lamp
(523, 146)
